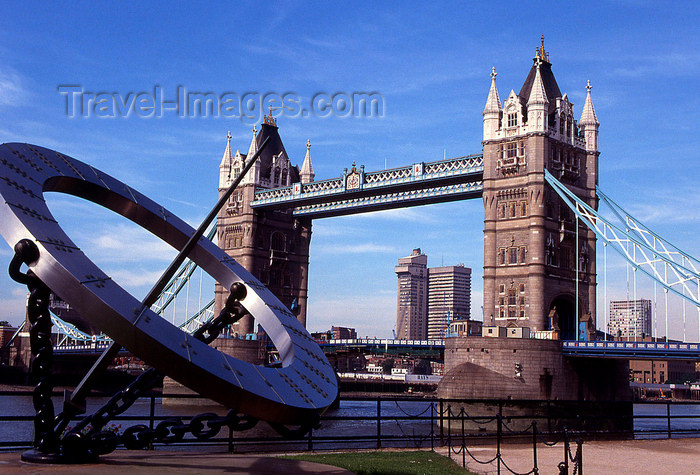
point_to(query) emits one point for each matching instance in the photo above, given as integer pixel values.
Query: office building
(412, 297)
(449, 298)
(630, 318)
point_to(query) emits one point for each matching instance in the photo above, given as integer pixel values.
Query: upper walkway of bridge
(359, 192)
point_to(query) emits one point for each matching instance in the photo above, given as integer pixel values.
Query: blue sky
(431, 64)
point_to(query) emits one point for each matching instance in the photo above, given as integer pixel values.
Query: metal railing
(376, 422)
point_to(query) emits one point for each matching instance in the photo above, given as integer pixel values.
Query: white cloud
(128, 278)
(122, 243)
(12, 91)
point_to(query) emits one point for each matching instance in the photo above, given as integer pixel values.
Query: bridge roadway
(359, 192)
(577, 349)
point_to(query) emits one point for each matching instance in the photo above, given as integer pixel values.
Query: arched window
(277, 175)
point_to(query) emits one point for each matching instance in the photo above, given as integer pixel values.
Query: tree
(387, 364)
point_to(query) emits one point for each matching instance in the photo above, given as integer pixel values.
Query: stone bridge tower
(272, 245)
(531, 247)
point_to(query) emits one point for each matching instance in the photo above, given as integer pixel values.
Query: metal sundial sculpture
(294, 392)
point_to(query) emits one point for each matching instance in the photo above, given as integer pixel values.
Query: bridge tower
(272, 245)
(531, 245)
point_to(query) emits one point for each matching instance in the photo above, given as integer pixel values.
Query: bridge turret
(589, 122)
(226, 163)
(537, 103)
(492, 111)
(307, 170)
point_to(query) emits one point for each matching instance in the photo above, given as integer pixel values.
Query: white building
(630, 318)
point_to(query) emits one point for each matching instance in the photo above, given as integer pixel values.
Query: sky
(430, 64)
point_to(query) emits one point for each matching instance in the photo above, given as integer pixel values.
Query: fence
(365, 423)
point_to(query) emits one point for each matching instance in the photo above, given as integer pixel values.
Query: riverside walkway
(639, 457)
(607, 457)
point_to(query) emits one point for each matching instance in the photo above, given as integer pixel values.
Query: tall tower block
(532, 247)
(272, 245)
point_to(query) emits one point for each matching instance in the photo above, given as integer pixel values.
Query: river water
(356, 418)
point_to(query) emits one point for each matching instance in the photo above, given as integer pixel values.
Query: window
(503, 210)
(512, 119)
(502, 290)
(523, 208)
(522, 149)
(522, 288)
(522, 255)
(502, 257)
(512, 210)
(512, 150)
(511, 297)
(513, 255)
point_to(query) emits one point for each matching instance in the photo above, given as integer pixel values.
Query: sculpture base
(37, 456)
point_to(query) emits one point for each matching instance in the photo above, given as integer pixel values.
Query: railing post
(499, 433)
(152, 412)
(535, 470)
(379, 423)
(442, 438)
(579, 451)
(566, 452)
(151, 418)
(668, 418)
(432, 427)
(310, 444)
(449, 431)
(464, 444)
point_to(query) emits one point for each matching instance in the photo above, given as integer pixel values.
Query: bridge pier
(536, 371)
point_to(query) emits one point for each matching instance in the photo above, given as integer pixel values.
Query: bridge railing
(633, 348)
(466, 165)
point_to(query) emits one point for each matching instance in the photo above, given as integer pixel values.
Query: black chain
(41, 347)
(89, 439)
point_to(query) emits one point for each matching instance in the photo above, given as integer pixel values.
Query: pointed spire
(537, 93)
(253, 144)
(307, 170)
(493, 102)
(588, 116)
(228, 156)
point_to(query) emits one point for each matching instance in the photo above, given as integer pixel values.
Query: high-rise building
(449, 297)
(630, 318)
(412, 297)
(428, 299)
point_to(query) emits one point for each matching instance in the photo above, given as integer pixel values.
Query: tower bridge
(539, 261)
(537, 176)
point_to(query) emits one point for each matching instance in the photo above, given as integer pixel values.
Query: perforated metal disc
(305, 383)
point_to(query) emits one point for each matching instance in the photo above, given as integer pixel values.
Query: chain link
(41, 347)
(88, 439)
